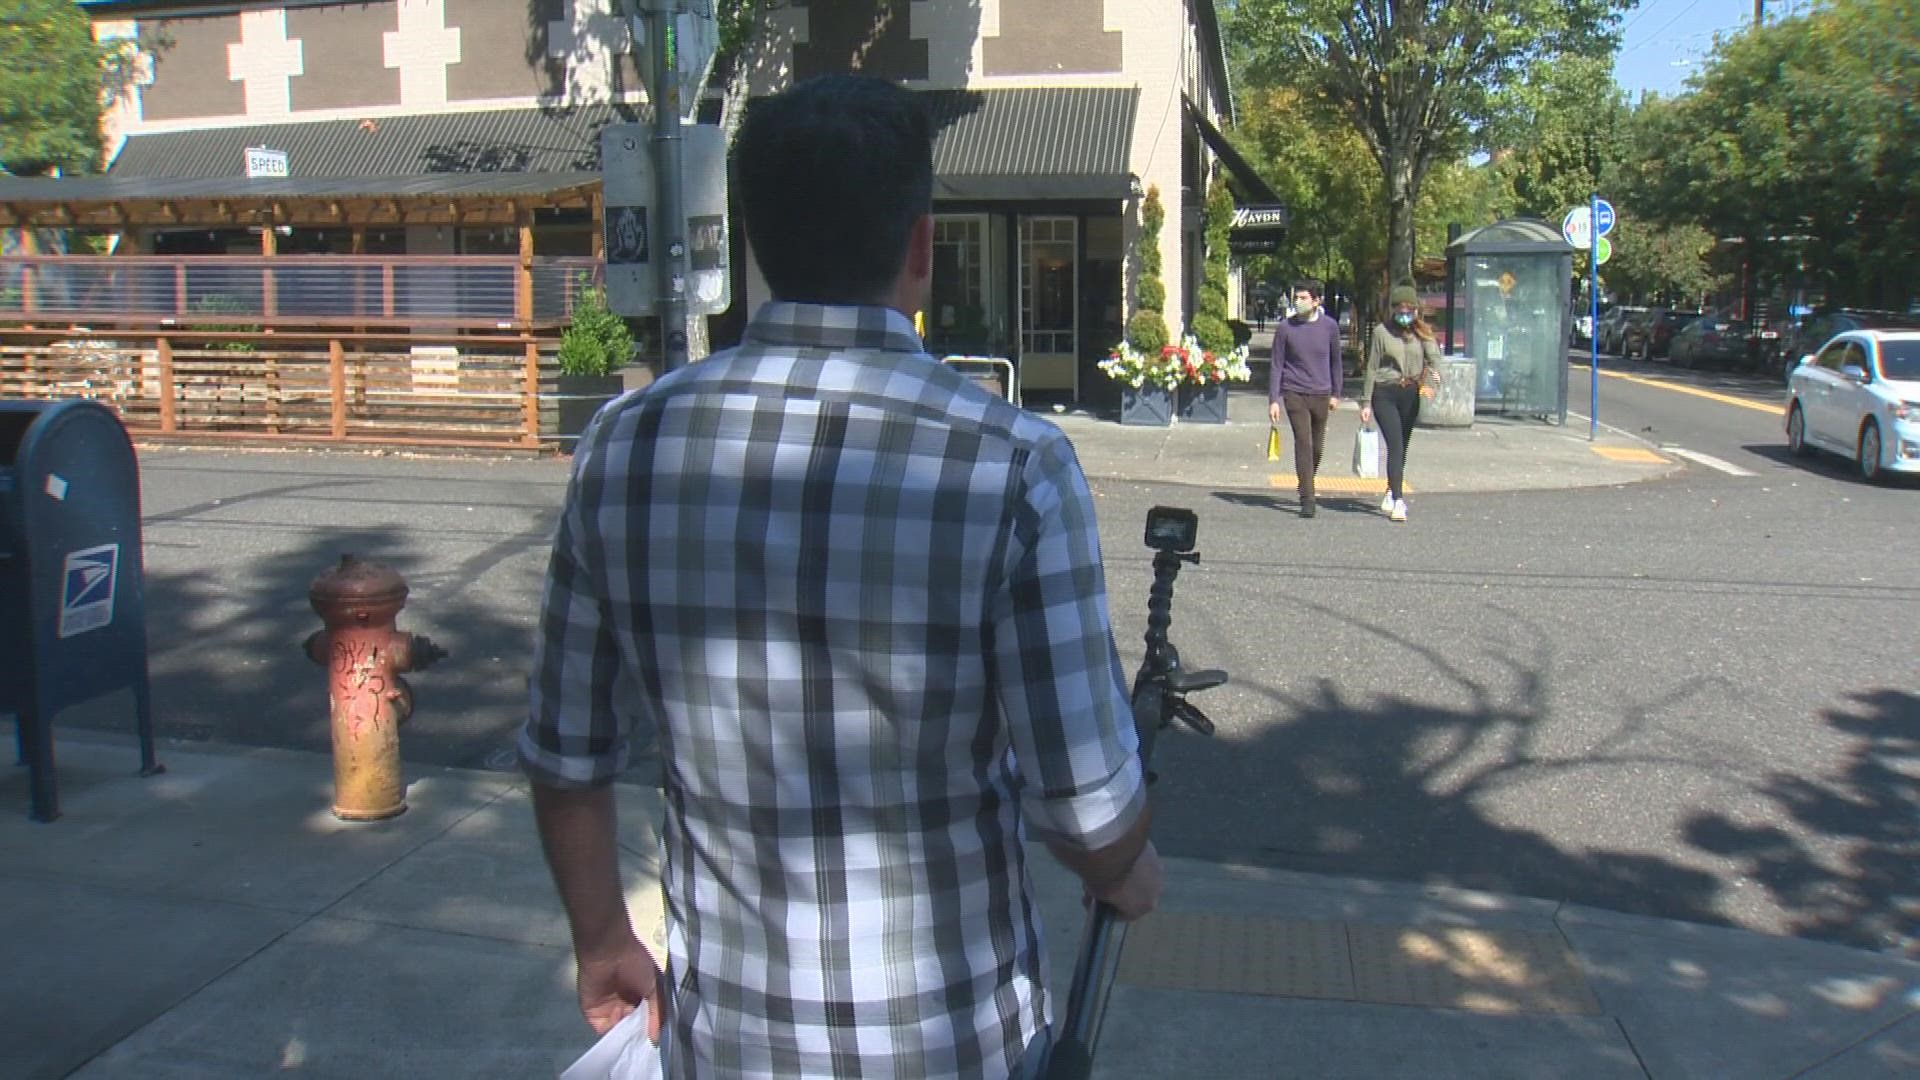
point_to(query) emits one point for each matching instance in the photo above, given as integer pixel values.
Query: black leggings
(1395, 409)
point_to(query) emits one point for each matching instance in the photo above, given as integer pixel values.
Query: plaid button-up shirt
(859, 602)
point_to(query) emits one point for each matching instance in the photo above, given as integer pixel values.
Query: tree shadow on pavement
(226, 661)
(1868, 895)
(1350, 774)
(1392, 789)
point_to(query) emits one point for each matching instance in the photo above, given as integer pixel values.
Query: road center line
(1724, 399)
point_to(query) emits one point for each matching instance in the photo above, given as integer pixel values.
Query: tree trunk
(1401, 193)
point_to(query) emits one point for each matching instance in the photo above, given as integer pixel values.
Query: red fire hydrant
(364, 655)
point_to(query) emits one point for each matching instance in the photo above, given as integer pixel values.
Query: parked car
(1649, 335)
(1715, 337)
(1815, 330)
(1859, 396)
(1611, 322)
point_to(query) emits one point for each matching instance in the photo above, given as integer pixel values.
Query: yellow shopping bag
(1273, 442)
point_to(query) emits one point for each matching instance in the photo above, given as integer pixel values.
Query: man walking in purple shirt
(1306, 382)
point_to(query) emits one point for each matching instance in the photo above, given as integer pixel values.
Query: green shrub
(1147, 331)
(218, 304)
(597, 341)
(1152, 294)
(1213, 334)
(1209, 320)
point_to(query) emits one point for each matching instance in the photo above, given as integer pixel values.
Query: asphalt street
(1693, 697)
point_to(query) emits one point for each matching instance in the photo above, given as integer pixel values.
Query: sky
(1667, 40)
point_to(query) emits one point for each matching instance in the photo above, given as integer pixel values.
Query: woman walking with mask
(1403, 366)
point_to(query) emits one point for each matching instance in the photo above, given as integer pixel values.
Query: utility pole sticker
(86, 595)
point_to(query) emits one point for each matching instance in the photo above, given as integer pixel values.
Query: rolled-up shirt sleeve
(580, 727)
(1060, 685)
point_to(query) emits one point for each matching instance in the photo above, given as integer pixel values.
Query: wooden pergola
(122, 205)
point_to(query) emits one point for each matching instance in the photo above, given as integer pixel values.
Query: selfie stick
(1159, 697)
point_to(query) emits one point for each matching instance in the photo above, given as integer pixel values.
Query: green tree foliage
(1459, 193)
(597, 341)
(1322, 170)
(1210, 325)
(1418, 80)
(54, 81)
(1147, 329)
(1561, 141)
(1658, 263)
(1800, 142)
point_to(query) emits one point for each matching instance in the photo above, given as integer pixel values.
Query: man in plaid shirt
(858, 601)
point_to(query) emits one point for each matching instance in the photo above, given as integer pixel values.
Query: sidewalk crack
(1637, 1059)
(1854, 1045)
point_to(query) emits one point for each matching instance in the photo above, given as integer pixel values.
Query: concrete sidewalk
(217, 922)
(1494, 454)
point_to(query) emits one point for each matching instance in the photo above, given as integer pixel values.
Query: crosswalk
(1708, 460)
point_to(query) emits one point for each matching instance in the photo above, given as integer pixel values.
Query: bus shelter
(1514, 279)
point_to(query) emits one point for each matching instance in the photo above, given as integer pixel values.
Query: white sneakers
(1395, 509)
(1386, 503)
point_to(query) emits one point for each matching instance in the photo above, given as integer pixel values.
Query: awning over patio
(1242, 177)
(490, 167)
(496, 141)
(115, 201)
(1033, 142)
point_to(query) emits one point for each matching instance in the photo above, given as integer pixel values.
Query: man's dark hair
(831, 176)
(1310, 285)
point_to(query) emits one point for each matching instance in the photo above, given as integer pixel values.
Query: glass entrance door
(1049, 308)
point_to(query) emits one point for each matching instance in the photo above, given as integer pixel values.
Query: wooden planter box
(1149, 406)
(1204, 404)
(573, 400)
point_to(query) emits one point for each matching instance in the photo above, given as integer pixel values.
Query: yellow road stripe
(1724, 399)
(1338, 485)
(1635, 454)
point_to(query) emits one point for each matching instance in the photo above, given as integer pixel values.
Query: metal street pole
(1593, 314)
(670, 228)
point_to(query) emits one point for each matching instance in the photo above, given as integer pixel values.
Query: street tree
(1320, 168)
(1799, 143)
(1560, 141)
(1420, 80)
(54, 82)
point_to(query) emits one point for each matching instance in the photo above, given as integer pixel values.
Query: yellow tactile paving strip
(1635, 454)
(1239, 954)
(1496, 971)
(1502, 971)
(1336, 485)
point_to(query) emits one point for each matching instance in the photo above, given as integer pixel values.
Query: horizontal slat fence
(469, 390)
(408, 291)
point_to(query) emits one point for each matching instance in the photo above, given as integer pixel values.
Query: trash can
(71, 582)
(1452, 403)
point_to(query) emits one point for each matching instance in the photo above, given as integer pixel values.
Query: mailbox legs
(34, 738)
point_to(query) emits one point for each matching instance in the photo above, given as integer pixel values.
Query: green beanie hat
(1403, 294)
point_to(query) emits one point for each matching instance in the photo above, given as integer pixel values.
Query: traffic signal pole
(670, 227)
(1593, 314)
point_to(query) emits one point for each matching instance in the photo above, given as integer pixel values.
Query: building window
(957, 319)
(1048, 316)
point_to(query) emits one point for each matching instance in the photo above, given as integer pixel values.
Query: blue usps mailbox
(73, 619)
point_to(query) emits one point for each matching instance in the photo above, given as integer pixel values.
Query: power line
(1655, 36)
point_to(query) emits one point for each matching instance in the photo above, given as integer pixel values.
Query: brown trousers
(1307, 416)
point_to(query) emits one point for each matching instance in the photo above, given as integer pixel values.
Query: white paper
(623, 1053)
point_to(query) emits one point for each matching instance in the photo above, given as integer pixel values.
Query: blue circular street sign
(1605, 216)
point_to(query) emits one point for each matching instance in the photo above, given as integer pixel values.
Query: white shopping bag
(1368, 450)
(623, 1053)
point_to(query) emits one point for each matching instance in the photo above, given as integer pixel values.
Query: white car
(1860, 396)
